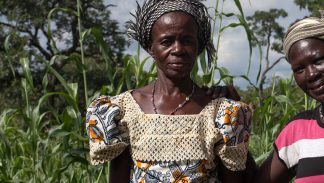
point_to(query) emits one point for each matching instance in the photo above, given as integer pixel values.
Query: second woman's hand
(222, 91)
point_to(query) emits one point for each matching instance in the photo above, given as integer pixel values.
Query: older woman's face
(306, 58)
(174, 44)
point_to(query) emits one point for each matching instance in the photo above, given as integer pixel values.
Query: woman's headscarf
(310, 27)
(140, 29)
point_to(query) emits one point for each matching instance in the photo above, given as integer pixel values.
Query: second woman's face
(174, 44)
(306, 58)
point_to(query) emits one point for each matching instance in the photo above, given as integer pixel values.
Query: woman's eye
(319, 62)
(166, 42)
(298, 70)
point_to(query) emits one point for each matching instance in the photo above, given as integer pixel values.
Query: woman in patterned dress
(172, 129)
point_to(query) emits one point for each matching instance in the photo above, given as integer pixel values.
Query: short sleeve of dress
(233, 119)
(107, 136)
(285, 144)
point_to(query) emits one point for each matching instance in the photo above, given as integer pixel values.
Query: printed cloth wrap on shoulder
(221, 129)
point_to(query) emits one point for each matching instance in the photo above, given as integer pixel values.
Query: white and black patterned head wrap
(145, 16)
(310, 27)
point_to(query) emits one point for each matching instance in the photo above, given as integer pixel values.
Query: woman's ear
(150, 51)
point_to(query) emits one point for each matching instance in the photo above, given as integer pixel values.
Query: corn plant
(35, 135)
(46, 142)
(208, 74)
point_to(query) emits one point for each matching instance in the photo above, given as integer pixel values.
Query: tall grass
(43, 143)
(208, 74)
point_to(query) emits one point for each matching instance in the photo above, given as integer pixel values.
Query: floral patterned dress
(169, 148)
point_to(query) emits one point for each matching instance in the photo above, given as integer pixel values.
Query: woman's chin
(177, 74)
(317, 96)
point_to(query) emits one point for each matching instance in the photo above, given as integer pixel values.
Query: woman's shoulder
(233, 118)
(107, 135)
(222, 107)
(141, 93)
(305, 115)
(104, 99)
(300, 120)
(141, 98)
(226, 103)
(298, 127)
(300, 123)
(233, 108)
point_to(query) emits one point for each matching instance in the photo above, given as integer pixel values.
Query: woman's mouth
(177, 65)
(318, 89)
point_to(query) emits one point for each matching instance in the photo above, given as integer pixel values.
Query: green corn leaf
(74, 90)
(104, 50)
(225, 76)
(27, 73)
(58, 132)
(62, 81)
(194, 71)
(203, 62)
(49, 22)
(207, 78)
(231, 25)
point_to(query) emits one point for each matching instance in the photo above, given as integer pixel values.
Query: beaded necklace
(179, 106)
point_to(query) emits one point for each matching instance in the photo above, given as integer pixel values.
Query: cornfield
(43, 143)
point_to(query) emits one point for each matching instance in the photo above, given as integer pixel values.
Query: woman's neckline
(138, 107)
(319, 119)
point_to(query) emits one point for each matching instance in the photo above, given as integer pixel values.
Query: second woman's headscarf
(310, 27)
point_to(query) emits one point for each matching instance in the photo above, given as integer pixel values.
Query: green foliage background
(42, 126)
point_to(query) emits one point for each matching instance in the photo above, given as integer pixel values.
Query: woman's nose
(312, 73)
(177, 48)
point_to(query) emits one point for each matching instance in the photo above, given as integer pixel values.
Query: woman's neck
(166, 86)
